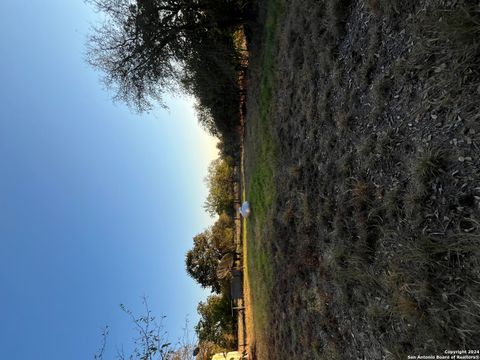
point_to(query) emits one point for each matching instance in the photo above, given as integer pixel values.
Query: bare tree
(151, 340)
(142, 44)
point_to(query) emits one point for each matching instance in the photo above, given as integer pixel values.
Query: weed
(415, 198)
(316, 300)
(385, 143)
(430, 164)
(407, 307)
(354, 273)
(331, 351)
(460, 26)
(295, 171)
(446, 52)
(360, 192)
(394, 203)
(427, 167)
(379, 314)
(367, 147)
(288, 213)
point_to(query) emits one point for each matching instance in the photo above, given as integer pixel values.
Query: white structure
(244, 210)
(232, 355)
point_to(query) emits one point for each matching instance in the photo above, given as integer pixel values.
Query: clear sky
(98, 205)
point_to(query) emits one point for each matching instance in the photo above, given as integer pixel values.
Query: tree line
(146, 48)
(216, 327)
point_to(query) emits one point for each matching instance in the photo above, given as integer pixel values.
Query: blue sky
(98, 205)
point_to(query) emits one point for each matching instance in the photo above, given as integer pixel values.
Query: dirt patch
(372, 237)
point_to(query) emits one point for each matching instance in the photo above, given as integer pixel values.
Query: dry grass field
(362, 167)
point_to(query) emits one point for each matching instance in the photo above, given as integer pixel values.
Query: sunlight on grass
(261, 186)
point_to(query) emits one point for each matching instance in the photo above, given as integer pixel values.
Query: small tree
(222, 234)
(208, 248)
(220, 184)
(201, 261)
(216, 322)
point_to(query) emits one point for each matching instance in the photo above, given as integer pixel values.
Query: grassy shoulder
(259, 186)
